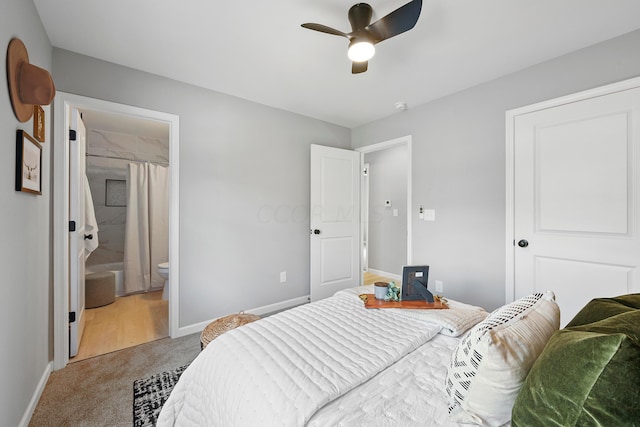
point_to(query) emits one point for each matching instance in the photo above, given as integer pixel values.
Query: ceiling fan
(365, 35)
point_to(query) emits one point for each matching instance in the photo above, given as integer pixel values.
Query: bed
(336, 363)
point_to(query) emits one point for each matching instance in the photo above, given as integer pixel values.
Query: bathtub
(117, 268)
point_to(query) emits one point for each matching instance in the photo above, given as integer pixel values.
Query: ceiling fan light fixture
(364, 34)
(360, 51)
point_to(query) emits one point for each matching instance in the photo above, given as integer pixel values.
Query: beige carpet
(99, 391)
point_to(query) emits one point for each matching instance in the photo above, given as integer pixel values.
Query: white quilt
(282, 369)
(407, 394)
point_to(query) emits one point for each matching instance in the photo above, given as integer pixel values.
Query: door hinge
(72, 135)
(72, 226)
(72, 316)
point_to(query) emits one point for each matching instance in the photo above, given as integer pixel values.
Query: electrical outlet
(283, 276)
(439, 286)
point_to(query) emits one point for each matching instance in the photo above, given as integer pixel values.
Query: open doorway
(119, 148)
(386, 209)
(111, 130)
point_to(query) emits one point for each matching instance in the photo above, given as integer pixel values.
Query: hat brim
(16, 56)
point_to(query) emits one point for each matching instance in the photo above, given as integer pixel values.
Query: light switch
(395, 212)
(429, 215)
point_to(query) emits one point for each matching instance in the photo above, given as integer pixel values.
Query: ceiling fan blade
(325, 29)
(397, 22)
(359, 67)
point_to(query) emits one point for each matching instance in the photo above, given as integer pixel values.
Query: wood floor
(370, 278)
(129, 321)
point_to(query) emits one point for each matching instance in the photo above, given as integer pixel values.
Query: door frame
(77, 295)
(511, 116)
(60, 187)
(403, 140)
(364, 217)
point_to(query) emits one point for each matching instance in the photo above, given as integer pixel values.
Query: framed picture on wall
(38, 123)
(28, 163)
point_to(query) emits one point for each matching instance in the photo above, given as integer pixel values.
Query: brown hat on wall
(28, 85)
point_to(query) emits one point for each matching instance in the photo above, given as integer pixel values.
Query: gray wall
(459, 163)
(244, 185)
(24, 226)
(387, 240)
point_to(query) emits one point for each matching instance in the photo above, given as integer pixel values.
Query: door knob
(316, 231)
(523, 243)
(88, 237)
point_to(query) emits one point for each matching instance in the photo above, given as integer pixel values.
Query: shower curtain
(146, 241)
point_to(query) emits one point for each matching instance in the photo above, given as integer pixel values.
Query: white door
(576, 224)
(335, 220)
(77, 165)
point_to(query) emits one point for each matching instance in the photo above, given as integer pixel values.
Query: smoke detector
(401, 106)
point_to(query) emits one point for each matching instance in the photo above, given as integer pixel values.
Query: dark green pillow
(601, 308)
(587, 375)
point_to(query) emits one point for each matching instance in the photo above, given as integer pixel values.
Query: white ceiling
(257, 50)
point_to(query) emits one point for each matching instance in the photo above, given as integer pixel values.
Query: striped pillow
(491, 362)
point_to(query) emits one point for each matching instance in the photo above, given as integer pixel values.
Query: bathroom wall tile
(96, 141)
(112, 216)
(102, 256)
(120, 166)
(117, 141)
(112, 220)
(152, 145)
(96, 162)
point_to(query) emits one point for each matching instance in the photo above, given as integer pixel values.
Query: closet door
(576, 193)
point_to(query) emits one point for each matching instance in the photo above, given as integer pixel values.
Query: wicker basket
(224, 324)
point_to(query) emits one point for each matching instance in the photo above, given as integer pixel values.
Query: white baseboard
(385, 274)
(191, 329)
(279, 306)
(265, 309)
(24, 422)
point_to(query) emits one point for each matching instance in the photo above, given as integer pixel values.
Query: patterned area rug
(149, 394)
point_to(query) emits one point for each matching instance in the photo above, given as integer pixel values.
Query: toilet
(163, 271)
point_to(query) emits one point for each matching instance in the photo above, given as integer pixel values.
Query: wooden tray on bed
(372, 302)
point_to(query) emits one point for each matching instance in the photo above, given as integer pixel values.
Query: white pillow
(491, 362)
